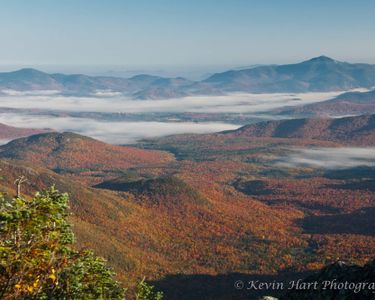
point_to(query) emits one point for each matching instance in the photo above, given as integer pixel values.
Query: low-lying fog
(330, 158)
(120, 132)
(235, 103)
(112, 132)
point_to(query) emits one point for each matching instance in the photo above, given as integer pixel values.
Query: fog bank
(330, 158)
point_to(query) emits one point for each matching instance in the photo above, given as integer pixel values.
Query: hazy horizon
(192, 72)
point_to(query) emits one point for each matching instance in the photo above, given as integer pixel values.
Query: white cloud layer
(330, 158)
(235, 103)
(30, 93)
(128, 132)
(112, 132)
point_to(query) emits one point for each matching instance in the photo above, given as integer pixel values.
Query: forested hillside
(350, 130)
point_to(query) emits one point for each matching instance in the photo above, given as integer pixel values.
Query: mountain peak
(321, 58)
(26, 73)
(29, 71)
(144, 77)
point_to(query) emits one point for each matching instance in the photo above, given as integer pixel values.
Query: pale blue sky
(184, 32)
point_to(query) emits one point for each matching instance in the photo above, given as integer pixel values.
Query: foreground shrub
(37, 260)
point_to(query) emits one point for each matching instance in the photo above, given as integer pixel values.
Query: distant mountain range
(317, 74)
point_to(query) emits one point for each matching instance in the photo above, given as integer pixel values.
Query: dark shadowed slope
(167, 191)
(359, 280)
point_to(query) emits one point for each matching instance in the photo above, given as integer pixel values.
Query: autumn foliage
(216, 204)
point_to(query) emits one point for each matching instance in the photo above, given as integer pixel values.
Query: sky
(161, 33)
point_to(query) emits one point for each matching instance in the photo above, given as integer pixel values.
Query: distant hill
(28, 79)
(166, 191)
(70, 152)
(10, 132)
(317, 74)
(350, 130)
(351, 103)
(164, 88)
(356, 97)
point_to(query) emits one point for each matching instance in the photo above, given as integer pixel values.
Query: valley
(180, 207)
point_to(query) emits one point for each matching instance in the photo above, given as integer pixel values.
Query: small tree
(36, 258)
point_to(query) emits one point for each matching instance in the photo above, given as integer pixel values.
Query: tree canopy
(37, 260)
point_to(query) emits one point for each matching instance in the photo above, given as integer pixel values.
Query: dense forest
(194, 213)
